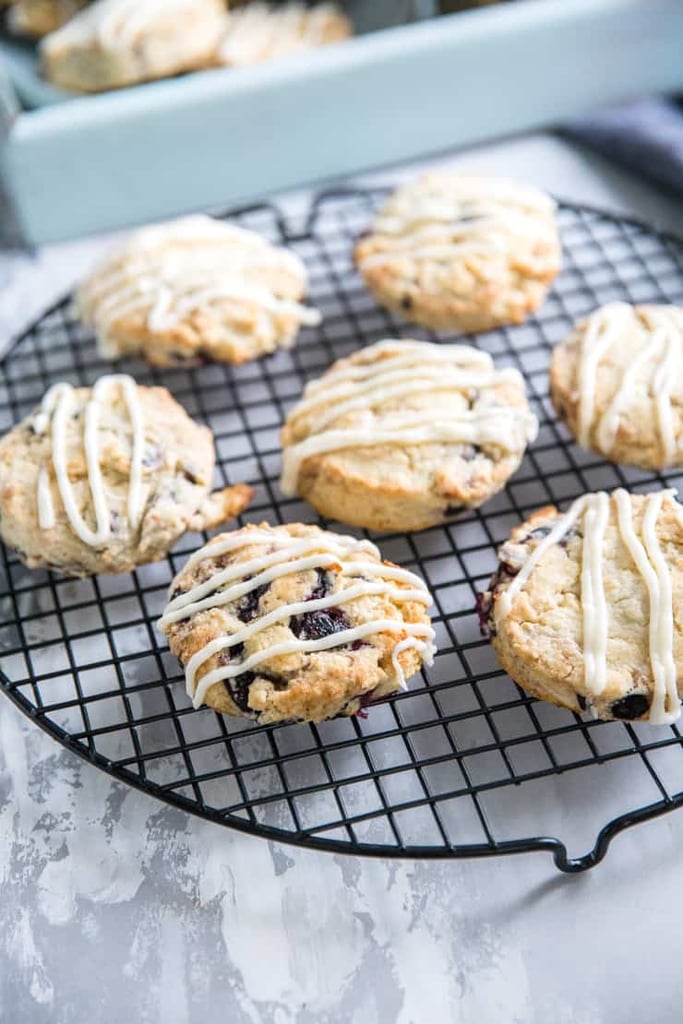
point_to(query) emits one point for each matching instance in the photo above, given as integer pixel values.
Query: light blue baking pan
(227, 136)
(32, 91)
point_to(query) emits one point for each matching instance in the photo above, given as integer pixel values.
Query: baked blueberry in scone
(584, 609)
(292, 622)
(105, 478)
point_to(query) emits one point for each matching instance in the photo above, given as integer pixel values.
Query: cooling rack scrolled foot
(462, 764)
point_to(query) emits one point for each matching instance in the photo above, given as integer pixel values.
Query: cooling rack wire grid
(462, 764)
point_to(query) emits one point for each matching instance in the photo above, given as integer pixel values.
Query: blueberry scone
(586, 607)
(295, 623)
(114, 43)
(617, 383)
(458, 252)
(261, 31)
(105, 478)
(194, 290)
(38, 17)
(404, 435)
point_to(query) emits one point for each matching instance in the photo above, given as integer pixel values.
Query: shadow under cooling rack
(463, 763)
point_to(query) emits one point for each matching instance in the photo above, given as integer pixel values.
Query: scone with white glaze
(258, 31)
(461, 252)
(617, 383)
(114, 43)
(280, 623)
(195, 289)
(38, 17)
(404, 435)
(105, 478)
(585, 609)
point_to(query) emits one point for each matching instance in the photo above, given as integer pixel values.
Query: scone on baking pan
(292, 622)
(38, 17)
(105, 478)
(404, 435)
(617, 382)
(261, 31)
(113, 43)
(193, 290)
(460, 252)
(584, 610)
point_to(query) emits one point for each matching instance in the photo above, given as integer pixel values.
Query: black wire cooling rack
(463, 764)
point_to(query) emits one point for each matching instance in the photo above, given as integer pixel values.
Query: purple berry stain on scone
(507, 571)
(323, 586)
(485, 599)
(309, 626)
(291, 657)
(238, 689)
(483, 604)
(321, 623)
(363, 704)
(135, 506)
(559, 609)
(316, 625)
(238, 686)
(249, 604)
(633, 706)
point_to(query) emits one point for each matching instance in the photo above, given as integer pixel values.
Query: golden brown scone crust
(637, 440)
(113, 43)
(158, 295)
(302, 686)
(540, 641)
(409, 486)
(500, 279)
(178, 466)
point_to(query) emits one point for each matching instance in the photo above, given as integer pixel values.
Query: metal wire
(462, 764)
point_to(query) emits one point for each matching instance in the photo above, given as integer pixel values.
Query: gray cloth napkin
(646, 137)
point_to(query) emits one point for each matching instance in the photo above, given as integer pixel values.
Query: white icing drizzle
(608, 424)
(169, 271)
(664, 377)
(665, 707)
(507, 431)
(647, 555)
(602, 330)
(662, 352)
(463, 215)
(337, 543)
(46, 508)
(410, 368)
(409, 643)
(557, 533)
(54, 413)
(398, 354)
(284, 560)
(283, 557)
(593, 600)
(258, 31)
